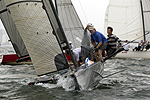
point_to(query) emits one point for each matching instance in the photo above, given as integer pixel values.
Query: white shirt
(126, 46)
(77, 53)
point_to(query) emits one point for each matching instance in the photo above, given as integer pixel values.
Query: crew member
(126, 46)
(112, 41)
(147, 46)
(77, 54)
(86, 50)
(99, 42)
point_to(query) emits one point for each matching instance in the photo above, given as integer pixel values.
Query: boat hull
(133, 54)
(89, 77)
(10, 59)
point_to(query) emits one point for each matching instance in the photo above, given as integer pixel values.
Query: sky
(89, 11)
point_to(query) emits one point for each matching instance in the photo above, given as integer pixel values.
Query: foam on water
(66, 83)
(50, 86)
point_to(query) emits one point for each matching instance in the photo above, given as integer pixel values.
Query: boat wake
(66, 83)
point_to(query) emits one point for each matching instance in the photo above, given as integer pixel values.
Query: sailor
(70, 44)
(112, 41)
(143, 45)
(77, 54)
(126, 46)
(147, 46)
(66, 50)
(86, 50)
(99, 42)
(139, 47)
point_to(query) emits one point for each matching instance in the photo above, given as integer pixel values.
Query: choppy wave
(132, 84)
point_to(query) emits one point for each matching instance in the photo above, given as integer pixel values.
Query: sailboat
(15, 38)
(130, 20)
(45, 36)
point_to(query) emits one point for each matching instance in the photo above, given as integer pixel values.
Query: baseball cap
(90, 25)
(70, 42)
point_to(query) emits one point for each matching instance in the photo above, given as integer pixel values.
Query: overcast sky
(89, 11)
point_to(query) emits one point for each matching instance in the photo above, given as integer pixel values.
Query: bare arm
(94, 43)
(99, 44)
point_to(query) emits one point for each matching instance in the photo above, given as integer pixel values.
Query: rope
(114, 73)
(83, 11)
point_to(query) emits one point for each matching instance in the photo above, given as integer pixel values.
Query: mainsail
(12, 31)
(125, 16)
(146, 16)
(70, 21)
(34, 27)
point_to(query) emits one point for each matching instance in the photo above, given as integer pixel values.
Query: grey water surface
(131, 84)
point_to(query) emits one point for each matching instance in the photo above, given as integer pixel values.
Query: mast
(143, 20)
(61, 30)
(56, 6)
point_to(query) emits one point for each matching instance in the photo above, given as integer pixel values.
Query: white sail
(125, 16)
(70, 21)
(106, 21)
(36, 32)
(146, 15)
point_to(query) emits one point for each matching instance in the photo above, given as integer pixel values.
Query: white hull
(134, 54)
(90, 77)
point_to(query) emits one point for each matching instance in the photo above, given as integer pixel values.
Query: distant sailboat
(14, 36)
(130, 20)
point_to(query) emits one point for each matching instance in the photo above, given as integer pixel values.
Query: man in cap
(99, 42)
(86, 50)
(70, 44)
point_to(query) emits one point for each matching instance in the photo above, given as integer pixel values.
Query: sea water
(132, 84)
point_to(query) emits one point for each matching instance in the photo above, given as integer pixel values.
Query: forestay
(146, 13)
(70, 21)
(36, 32)
(12, 31)
(125, 16)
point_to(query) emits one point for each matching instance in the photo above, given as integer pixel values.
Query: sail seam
(21, 2)
(64, 4)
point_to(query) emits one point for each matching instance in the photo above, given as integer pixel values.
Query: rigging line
(114, 73)
(83, 11)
